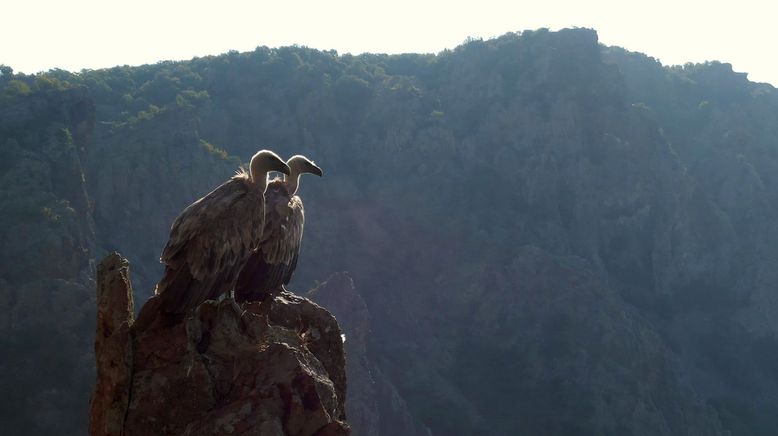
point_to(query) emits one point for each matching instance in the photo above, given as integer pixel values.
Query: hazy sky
(76, 34)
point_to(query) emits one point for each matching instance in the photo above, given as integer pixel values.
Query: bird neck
(261, 184)
(258, 176)
(292, 182)
(258, 181)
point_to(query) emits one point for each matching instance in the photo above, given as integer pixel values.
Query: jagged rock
(113, 346)
(276, 368)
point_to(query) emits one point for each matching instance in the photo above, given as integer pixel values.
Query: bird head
(299, 164)
(264, 162)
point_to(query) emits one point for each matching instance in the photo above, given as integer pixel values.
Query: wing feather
(274, 261)
(209, 242)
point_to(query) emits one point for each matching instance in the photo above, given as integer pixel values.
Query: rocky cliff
(373, 403)
(525, 219)
(271, 369)
(47, 241)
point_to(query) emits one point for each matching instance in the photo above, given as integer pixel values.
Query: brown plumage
(212, 238)
(271, 266)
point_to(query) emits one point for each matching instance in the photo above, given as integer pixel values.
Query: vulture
(271, 265)
(212, 238)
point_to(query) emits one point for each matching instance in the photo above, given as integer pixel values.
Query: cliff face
(373, 403)
(546, 334)
(524, 218)
(142, 173)
(276, 369)
(47, 242)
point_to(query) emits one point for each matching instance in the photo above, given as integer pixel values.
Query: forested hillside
(546, 235)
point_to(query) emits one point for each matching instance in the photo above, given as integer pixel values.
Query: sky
(39, 35)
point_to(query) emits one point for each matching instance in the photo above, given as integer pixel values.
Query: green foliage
(219, 153)
(16, 88)
(46, 83)
(148, 114)
(352, 91)
(192, 99)
(6, 75)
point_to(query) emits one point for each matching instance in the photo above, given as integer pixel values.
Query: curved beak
(315, 170)
(280, 166)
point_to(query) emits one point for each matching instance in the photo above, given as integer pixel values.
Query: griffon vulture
(271, 266)
(212, 238)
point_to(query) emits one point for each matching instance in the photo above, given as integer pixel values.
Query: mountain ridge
(453, 180)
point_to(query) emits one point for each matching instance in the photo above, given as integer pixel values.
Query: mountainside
(47, 240)
(545, 233)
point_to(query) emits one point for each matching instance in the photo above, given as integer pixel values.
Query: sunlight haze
(92, 34)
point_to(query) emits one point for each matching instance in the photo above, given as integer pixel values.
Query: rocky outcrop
(113, 347)
(276, 368)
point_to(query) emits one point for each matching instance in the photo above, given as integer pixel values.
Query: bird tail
(168, 304)
(258, 278)
(174, 290)
(176, 294)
